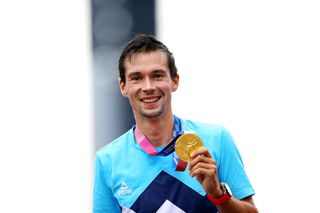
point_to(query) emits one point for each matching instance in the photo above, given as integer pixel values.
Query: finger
(202, 159)
(208, 167)
(203, 172)
(201, 151)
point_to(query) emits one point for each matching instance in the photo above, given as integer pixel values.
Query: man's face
(148, 84)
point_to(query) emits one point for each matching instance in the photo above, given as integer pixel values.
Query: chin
(155, 114)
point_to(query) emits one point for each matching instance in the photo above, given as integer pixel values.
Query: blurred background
(251, 66)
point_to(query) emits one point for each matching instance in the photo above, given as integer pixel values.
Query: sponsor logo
(124, 190)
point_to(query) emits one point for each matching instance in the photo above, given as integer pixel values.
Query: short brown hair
(144, 44)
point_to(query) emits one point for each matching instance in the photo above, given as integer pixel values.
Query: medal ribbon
(145, 144)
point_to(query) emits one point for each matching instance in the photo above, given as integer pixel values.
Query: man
(138, 172)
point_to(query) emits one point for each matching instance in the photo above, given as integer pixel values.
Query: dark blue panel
(166, 187)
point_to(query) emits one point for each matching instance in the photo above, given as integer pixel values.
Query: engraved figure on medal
(186, 144)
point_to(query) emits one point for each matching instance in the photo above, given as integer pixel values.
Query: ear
(122, 88)
(175, 83)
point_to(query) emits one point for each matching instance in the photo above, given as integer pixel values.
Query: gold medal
(186, 144)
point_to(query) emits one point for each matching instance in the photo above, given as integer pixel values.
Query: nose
(148, 85)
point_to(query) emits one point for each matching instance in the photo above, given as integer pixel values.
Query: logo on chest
(124, 190)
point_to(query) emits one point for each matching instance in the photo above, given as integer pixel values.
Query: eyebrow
(133, 74)
(139, 73)
(159, 70)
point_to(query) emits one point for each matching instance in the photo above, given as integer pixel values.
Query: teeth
(150, 100)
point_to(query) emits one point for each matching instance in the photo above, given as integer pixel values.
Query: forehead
(139, 62)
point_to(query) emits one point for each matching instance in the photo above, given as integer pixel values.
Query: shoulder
(214, 136)
(201, 128)
(116, 146)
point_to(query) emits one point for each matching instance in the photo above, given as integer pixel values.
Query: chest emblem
(124, 190)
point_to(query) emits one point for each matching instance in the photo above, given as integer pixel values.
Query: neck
(159, 131)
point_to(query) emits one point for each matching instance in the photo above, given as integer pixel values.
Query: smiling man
(140, 171)
(148, 86)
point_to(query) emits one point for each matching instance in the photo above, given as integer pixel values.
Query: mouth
(150, 99)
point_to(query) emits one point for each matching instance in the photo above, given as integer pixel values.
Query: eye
(158, 75)
(135, 78)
